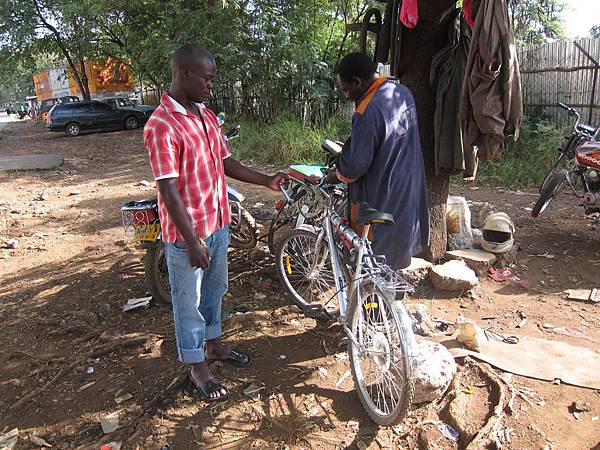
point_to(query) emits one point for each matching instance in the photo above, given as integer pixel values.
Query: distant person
(190, 158)
(382, 162)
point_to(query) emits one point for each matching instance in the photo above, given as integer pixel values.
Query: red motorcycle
(577, 166)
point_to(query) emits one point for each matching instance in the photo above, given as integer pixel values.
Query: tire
(394, 341)
(157, 275)
(244, 235)
(280, 227)
(73, 129)
(311, 292)
(553, 171)
(131, 123)
(551, 189)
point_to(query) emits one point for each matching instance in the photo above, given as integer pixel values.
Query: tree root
(487, 434)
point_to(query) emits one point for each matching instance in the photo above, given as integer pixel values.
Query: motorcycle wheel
(550, 189)
(280, 226)
(556, 167)
(157, 274)
(243, 231)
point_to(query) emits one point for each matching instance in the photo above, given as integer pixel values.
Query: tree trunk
(417, 49)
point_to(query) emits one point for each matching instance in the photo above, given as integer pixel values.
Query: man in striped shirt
(190, 158)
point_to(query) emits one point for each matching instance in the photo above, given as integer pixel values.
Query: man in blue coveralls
(382, 163)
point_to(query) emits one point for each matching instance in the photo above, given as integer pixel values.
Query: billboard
(105, 77)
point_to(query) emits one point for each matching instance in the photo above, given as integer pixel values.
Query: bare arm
(237, 170)
(198, 252)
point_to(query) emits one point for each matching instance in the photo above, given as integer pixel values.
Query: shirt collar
(367, 96)
(173, 106)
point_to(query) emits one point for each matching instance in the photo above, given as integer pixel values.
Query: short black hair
(356, 64)
(189, 53)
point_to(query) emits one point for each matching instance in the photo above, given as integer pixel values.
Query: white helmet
(498, 233)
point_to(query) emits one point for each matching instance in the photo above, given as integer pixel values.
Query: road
(4, 119)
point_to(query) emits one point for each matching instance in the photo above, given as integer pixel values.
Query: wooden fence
(564, 72)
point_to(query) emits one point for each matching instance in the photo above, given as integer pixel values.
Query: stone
(425, 326)
(417, 270)
(11, 244)
(581, 406)
(478, 260)
(75, 192)
(435, 369)
(453, 276)
(144, 183)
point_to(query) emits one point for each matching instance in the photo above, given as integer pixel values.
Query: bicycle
(313, 265)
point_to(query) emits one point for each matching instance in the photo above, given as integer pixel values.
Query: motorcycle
(578, 161)
(141, 219)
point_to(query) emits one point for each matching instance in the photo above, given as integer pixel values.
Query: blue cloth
(196, 295)
(385, 160)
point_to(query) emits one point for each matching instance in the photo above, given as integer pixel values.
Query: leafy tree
(51, 26)
(536, 21)
(595, 31)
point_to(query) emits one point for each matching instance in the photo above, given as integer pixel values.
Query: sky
(580, 16)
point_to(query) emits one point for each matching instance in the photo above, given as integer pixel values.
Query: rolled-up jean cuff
(213, 332)
(191, 356)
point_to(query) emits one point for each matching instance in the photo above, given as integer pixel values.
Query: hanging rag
(491, 104)
(452, 154)
(409, 13)
(468, 12)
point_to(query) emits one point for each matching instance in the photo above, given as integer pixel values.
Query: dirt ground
(70, 355)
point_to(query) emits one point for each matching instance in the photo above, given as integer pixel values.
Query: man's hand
(331, 177)
(199, 256)
(277, 181)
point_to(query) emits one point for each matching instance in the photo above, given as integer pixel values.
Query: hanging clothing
(409, 13)
(491, 104)
(468, 12)
(452, 154)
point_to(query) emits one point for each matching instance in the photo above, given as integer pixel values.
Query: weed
(524, 162)
(286, 140)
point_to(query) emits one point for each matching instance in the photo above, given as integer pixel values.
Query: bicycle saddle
(368, 214)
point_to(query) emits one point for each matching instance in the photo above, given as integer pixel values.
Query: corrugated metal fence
(566, 72)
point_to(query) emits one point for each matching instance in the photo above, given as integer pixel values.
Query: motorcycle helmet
(498, 233)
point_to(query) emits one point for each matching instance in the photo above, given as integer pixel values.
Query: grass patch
(523, 163)
(286, 141)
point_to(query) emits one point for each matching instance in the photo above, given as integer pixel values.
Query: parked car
(48, 104)
(72, 118)
(127, 103)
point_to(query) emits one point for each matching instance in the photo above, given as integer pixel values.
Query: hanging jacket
(491, 104)
(452, 154)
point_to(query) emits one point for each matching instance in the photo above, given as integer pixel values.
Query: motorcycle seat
(331, 147)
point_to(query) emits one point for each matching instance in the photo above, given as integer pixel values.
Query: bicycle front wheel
(380, 355)
(306, 272)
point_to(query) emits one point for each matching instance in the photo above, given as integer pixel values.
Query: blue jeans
(197, 294)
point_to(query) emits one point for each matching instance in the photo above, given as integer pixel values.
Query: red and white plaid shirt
(180, 146)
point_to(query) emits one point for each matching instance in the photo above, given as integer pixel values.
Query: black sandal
(210, 387)
(235, 358)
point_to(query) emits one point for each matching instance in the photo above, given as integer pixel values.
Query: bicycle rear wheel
(381, 362)
(306, 272)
